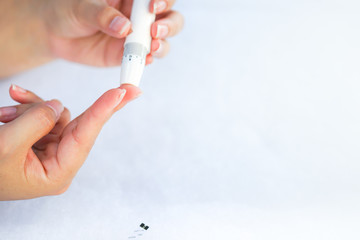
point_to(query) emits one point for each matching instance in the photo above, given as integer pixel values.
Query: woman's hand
(93, 31)
(41, 150)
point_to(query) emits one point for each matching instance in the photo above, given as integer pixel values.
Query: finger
(22, 95)
(161, 6)
(8, 114)
(167, 26)
(149, 59)
(159, 48)
(105, 18)
(28, 98)
(80, 135)
(56, 132)
(33, 124)
(62, 122)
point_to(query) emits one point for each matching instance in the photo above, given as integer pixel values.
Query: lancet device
(137, 44)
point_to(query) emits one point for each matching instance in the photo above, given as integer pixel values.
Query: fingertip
(110, 100)
(16, 88)
(149, 59)
(160, 30)
(12, 88)
(132, 92)
(105, 18)
(12, 93)
(168, 26)
(7, 114)
(56, 106)
(161, 49)
(155, 45)
(17, 93)
(154, 30)
(159, 6)
(120, 26)
(152, 9)
(21, 95)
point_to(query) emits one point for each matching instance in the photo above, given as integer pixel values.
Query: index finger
(79, 136)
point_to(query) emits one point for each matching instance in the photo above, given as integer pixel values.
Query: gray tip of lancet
(135, 49)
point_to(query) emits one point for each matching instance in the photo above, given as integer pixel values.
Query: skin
(45, 149)
(35, 32)
(41, 150)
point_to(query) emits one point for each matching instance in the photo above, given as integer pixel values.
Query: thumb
(33, 124)
(105, 18)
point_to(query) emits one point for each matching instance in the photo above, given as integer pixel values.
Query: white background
(249, 129)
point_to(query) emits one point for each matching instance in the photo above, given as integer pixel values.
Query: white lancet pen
(137, 44)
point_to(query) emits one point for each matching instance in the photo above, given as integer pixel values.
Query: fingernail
(155, 45)
(121, 96)
(7, 111)
(162, 31)
(158, 52)
(120, 25)
(159, 6)
(18, 89)
(56, 106)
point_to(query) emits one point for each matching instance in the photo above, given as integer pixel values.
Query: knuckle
(75, 135)
(102, 14)
(45, 117)
(92, 114)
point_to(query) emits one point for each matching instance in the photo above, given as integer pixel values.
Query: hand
(34, 32)
(41, 150)
(93, 31)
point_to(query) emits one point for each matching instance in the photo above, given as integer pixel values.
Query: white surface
(250, 129)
